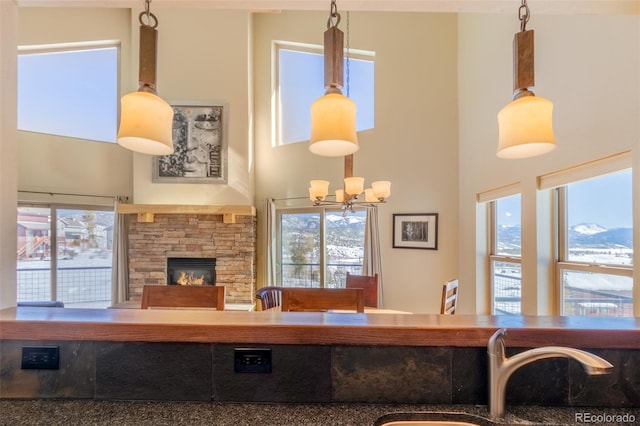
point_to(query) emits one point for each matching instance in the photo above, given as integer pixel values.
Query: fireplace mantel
(147, 212)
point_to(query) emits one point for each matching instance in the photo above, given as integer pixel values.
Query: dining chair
(449, 297)
(322, 299)
(269, 297)
(179, 296)
(369, 284)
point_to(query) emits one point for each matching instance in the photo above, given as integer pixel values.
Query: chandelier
(347, 197)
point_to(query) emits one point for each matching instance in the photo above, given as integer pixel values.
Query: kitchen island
(185, 355)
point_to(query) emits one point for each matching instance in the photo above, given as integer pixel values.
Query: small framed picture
(415, 231)
(199, 141)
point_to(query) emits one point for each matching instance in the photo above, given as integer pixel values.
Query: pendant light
(333, 116)
(352, 187)
(525, 126)
(145, 118)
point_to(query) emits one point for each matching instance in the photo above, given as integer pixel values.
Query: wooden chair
(322, 299)
(369, 284)
(449, 297)
(178, 296)
(269, 297)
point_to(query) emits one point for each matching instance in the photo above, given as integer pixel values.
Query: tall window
(69, 90)
(506, 255)
(317, 247)
(299, 81)
(595, 239)
(65, 254)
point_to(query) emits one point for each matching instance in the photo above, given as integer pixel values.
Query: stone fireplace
(195, 236)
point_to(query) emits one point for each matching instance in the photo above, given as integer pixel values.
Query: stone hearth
(233, 245)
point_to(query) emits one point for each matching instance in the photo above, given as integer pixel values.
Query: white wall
(589, 66)
(414, 143)
(59, 164)
(203, 56)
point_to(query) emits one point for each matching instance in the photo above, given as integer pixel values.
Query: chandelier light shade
(347, 196)
(318, 190)
(333, 116)
(145, 118)
(525, 126)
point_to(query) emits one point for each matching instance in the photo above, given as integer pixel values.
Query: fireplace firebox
(191, 271)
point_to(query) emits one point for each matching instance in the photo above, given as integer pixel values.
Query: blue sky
(605, 200)
(71, 93)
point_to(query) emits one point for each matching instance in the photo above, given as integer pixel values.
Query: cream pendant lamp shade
(333, 126)
(145, 124)
(146, 120)
(333, 116)
(525, 128)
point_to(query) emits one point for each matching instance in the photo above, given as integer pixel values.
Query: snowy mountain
(583, 235)
(596, 236)
(588, 228)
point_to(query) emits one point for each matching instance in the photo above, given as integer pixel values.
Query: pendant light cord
(348, 56)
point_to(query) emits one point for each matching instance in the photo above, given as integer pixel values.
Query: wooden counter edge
(287, 328)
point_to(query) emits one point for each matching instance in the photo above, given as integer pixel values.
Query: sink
(432, 418)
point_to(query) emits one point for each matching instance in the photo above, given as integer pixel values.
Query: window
(595, 239)
(65, 254)
(505, 255)
(317, 247)
(69, 90)
(299, 81)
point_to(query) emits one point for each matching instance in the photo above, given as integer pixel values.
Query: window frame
(493, 249)
(276, 99)
(76, 46)
(562, 240)
(53, 229)
(322, 212)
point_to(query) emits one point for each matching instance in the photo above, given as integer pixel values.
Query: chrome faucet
(501, 367)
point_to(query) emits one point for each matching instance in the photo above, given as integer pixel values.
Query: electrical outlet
(41, 357)
(252, 360)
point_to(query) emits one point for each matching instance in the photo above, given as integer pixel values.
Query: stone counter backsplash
(311, 374)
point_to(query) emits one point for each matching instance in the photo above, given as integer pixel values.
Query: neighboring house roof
(33, 225)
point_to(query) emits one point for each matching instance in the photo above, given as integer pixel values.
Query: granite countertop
(122, 413)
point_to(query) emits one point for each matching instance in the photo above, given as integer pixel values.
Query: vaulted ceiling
(574, 7)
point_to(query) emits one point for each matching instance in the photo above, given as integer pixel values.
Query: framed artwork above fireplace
(200, 144)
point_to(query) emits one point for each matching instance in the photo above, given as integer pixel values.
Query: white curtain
(270, 211)
(120, 260)
(372, 263)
